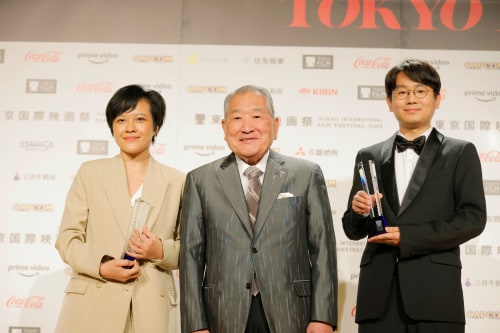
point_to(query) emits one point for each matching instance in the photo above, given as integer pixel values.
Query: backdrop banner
(324, 63)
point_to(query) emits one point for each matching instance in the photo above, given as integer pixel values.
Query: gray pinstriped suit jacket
(292, 249)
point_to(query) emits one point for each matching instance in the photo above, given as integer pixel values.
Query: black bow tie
(402, 144)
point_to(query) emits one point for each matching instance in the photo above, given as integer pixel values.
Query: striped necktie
(253, 192)
(252, 198)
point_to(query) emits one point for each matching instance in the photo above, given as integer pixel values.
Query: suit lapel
(116, 191)
(229, 179)
(274, 177)
(388, 176)
(422, 168)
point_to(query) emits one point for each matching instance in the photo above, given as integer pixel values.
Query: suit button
(248, 285)
(254, 250)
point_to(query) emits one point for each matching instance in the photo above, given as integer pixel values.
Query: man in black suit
(433, 200)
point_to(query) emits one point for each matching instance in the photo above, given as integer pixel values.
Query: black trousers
(395, 319)
(257, 322)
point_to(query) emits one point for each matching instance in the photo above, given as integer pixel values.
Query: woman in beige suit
(106, 293)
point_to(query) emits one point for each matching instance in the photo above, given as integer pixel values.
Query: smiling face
(133, 130)
(249, 129)
(413, 114)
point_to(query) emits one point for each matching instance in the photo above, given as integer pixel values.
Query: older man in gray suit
(273, 270)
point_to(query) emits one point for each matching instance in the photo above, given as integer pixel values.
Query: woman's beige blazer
(95, 223)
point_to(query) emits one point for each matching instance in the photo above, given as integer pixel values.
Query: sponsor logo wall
(330, 100)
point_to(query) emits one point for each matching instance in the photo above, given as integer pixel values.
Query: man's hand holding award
(377, 222)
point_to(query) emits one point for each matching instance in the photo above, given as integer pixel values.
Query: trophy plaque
(139, 217)
(377, 222)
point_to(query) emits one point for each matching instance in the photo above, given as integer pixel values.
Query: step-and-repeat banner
(323, 61)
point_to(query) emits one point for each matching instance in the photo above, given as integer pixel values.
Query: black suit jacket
(443, 207)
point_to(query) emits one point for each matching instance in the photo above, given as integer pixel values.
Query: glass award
(140, 213)
(377, 222)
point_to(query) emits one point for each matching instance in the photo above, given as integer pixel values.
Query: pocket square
(285, 195)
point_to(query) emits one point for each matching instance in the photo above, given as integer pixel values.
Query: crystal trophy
(139, 217)
(377, 222)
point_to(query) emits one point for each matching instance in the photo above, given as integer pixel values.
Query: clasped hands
(143, 245)
(361, 205)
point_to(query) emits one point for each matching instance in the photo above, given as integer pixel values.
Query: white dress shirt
(404, 164)
(242, 166)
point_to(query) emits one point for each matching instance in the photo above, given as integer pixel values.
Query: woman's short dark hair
(126, 98)
(417, 70)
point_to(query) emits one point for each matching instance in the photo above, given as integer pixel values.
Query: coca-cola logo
(32, 302)
(98, 87)
(493, 156)
(49, 56)
(377, 63)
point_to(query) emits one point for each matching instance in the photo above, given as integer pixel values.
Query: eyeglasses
(403, 93)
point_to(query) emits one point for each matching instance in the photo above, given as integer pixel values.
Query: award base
(377, 226)
(126, 256)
